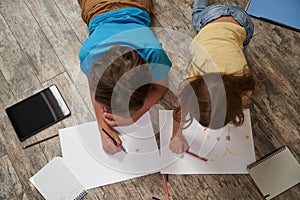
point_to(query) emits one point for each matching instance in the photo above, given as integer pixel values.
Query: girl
(220, 77)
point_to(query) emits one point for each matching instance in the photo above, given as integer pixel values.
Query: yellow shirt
(218, 47)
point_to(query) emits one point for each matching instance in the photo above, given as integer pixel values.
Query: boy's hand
(178, 144)
(115, 120)
(108, 144)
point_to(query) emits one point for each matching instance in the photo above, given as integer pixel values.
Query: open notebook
(55, 181)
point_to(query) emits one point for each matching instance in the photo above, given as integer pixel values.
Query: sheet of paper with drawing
(83, 153)
(228, 150)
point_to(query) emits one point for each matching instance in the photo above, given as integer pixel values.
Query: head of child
(219, 98)
(120, 80)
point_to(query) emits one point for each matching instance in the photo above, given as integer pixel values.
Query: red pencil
(195, 155)
(32, 144)
(165, 186)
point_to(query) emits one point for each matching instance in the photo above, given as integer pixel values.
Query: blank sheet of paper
(229, 150)
(83, 153)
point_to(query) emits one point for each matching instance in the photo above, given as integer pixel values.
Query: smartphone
(37, 112)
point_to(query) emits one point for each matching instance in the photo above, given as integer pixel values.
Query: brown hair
(121, 71)
(207, 87)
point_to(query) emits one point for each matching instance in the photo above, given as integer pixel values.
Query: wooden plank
(10, 187)
(31, 39)
(212, 187)
(2, 149)
(15, 68)
(82, 87)
(54, 18)
(185, 8)
(6, 96)
(275, 114)
(72, 13)
(169, 16)
(144, 187)
(6, 99)
(58, 32)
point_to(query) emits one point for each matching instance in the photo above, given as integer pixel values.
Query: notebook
(55, 181)
(284, 12)
(275, 172)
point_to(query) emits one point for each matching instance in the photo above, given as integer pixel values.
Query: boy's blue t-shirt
(128, 27)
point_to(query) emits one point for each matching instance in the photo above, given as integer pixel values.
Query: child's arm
(158, 90)
(178, 144)
(107, 143)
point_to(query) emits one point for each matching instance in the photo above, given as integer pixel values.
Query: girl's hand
(108, 144)
(178, 144)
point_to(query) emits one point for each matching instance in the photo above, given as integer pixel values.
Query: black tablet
(37, 112)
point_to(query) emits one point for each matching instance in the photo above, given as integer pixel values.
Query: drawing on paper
(228, 150)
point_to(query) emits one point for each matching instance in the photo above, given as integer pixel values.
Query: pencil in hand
(115, 142)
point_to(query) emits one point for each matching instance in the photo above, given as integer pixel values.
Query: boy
(124, 62)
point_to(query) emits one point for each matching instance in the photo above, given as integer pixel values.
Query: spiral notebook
(275, 172)
(55, 181)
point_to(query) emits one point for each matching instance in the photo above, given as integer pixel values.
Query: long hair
(236, 86)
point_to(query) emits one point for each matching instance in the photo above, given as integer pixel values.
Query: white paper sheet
(83, 153)
(228, 150)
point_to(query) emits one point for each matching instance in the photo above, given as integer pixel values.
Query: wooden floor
(39, 45)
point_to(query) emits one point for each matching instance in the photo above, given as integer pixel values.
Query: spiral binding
(266, 157)
(80, 195)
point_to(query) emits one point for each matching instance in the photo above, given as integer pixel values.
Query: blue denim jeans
(202, 14)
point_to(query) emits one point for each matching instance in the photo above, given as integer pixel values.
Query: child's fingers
(110, 122)
(109, 116)
(118, 140)
(111, 142)
(186, 147)
(178, 144)
(109, 119)
(112, 149)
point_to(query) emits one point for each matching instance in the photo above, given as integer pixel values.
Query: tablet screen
(37, 112)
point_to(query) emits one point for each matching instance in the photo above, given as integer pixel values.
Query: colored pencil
(196, 156)
(115, 142)
(165, 186)
(37, 142)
